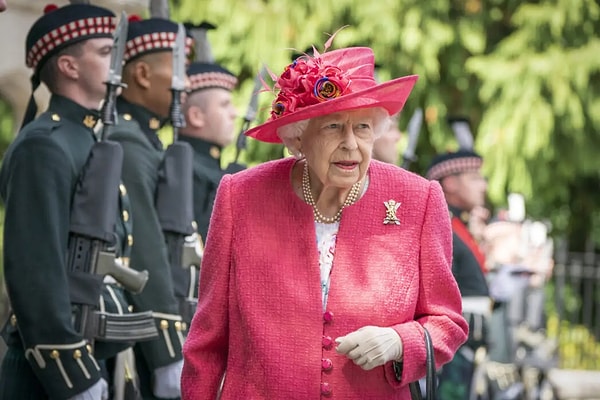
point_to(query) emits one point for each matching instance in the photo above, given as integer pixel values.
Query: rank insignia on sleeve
(391, 207)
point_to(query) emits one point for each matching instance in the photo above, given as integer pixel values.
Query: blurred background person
(385, 148)
(459, 174)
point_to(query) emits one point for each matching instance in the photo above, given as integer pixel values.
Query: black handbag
(430, 385)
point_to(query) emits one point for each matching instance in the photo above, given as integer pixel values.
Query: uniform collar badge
(154, 123)
(391, 207)
(90, 121)
(215, 152)
(465, 216)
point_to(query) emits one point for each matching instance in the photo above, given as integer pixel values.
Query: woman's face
(338, 146)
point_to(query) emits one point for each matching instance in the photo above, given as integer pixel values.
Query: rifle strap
(463, 233)
(125, 327)
(85, 288)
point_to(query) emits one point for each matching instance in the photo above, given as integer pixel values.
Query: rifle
(413, 130)
(91, 245)
(174, 196)
(251, 112)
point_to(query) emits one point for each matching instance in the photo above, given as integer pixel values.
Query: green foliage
(577, 346)
(6, 136)
(540, 128)
(7, 125)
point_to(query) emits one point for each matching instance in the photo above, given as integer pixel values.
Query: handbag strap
(430, 386)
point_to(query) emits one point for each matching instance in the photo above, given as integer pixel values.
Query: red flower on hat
(305, 82)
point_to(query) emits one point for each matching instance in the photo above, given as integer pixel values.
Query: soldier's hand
(371, 346)
(167, 381)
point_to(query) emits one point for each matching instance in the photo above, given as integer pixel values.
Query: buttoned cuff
(64, 369)
(166, 349)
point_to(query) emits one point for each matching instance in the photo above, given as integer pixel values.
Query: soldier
(143, 109)
(210, 116)
(48, 356)
(464, 188)
(385, 147)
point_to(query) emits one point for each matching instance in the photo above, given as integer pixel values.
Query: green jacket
(37, 181)
(470, 279)
(465, 267)
(143, 153)
(207, 176)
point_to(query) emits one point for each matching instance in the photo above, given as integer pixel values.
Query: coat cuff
(166, 349)
(64, 369)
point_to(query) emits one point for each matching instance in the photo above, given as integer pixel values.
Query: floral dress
(326, 237)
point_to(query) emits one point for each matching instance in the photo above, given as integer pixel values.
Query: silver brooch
(391, 207)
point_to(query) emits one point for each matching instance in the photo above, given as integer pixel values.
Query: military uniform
(468, 266)
(136, 131)
(468, 260)
(42, 183)
(45, 356)
(207, 155)
(207, 175)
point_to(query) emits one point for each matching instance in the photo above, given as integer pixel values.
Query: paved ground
(575, 384)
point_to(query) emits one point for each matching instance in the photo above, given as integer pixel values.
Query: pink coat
(260, 316)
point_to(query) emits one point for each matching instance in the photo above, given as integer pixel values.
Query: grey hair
(290, 132)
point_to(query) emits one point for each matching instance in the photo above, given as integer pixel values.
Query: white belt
(477, 305)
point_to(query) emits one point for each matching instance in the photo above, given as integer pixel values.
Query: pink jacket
(260, 316)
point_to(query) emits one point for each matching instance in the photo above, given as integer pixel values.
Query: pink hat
(339, 80)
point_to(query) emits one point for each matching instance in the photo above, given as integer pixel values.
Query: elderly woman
(321, 270)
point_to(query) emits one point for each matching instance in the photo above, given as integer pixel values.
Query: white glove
(167, 380)
(371, 346)
(98, 391)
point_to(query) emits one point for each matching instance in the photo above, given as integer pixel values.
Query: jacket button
(327, 342)
(326, 364)
(327, 317)
(326, 389)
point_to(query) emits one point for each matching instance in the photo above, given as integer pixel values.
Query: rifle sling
(84, 288)
(124, 327)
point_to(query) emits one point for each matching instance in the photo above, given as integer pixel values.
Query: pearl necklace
(308, 197)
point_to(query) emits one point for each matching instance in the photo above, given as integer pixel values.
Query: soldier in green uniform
(464, 188)
(69, 50)
(210, 116)
(143, 108)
